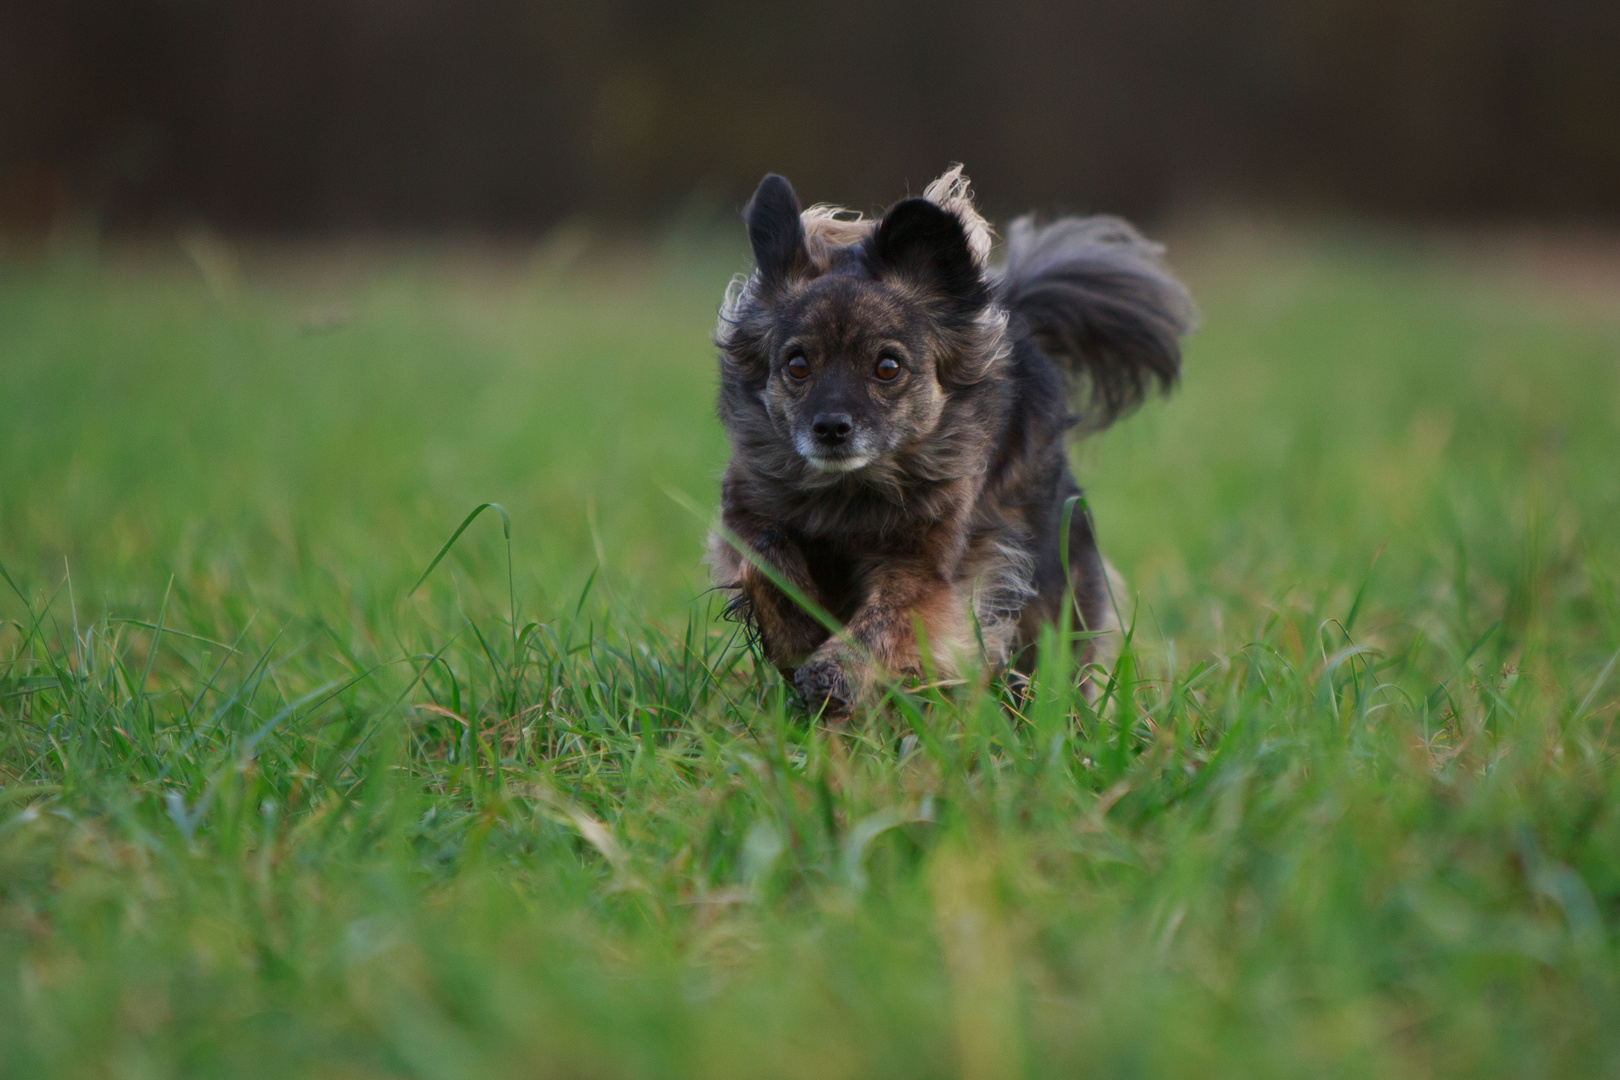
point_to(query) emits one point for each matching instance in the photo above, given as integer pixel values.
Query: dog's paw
(824, 687)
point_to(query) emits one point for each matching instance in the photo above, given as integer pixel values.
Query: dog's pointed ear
(775, 230)
(918, 238)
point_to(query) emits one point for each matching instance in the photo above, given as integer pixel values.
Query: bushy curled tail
(1098, 301)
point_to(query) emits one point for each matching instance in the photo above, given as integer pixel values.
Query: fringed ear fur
(775, 230)
(952, 192)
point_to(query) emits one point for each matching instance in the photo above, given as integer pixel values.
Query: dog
(898, 410)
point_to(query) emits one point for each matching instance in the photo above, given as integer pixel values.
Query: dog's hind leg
(1099, 655)
(1099, 605)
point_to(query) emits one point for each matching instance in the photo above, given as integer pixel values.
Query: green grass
(1354, 809)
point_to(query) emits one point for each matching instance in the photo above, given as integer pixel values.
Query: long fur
(1096, 298)
(944, 512)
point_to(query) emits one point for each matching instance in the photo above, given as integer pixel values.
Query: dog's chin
(843, 463)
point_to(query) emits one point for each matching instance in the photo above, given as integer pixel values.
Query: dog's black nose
(831, 428)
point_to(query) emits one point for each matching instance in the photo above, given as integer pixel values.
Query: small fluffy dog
(898, 410)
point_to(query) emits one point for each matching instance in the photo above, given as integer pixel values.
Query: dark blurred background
(315, 116)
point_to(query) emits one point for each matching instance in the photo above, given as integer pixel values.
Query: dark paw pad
(823, 687)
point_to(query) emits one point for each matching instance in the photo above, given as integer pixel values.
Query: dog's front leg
(787, 633)
(882, 636)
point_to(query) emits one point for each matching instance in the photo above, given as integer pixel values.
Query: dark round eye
(887, 369)
(798, 367)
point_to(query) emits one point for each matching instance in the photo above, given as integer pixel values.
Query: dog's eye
(798, 367)
(887, 369)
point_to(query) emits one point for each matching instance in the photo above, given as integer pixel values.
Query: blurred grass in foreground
(1355, 811)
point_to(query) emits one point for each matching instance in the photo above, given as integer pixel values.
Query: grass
(1354, 809)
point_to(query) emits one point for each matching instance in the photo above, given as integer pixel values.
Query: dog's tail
(1096, 298)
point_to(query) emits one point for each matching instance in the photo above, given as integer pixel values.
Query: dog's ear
(918, 238)
(775, 230)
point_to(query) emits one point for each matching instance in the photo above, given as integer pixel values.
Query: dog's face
(853, 372)
(857, 343)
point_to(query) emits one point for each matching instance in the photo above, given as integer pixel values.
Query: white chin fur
(838, 464)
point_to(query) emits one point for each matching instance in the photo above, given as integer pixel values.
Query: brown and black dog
(898, 410)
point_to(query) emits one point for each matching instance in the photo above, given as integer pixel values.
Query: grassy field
(1353, 809)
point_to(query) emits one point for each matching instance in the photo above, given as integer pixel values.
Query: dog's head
(852, 335)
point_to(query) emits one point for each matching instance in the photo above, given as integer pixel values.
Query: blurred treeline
(320, 115)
